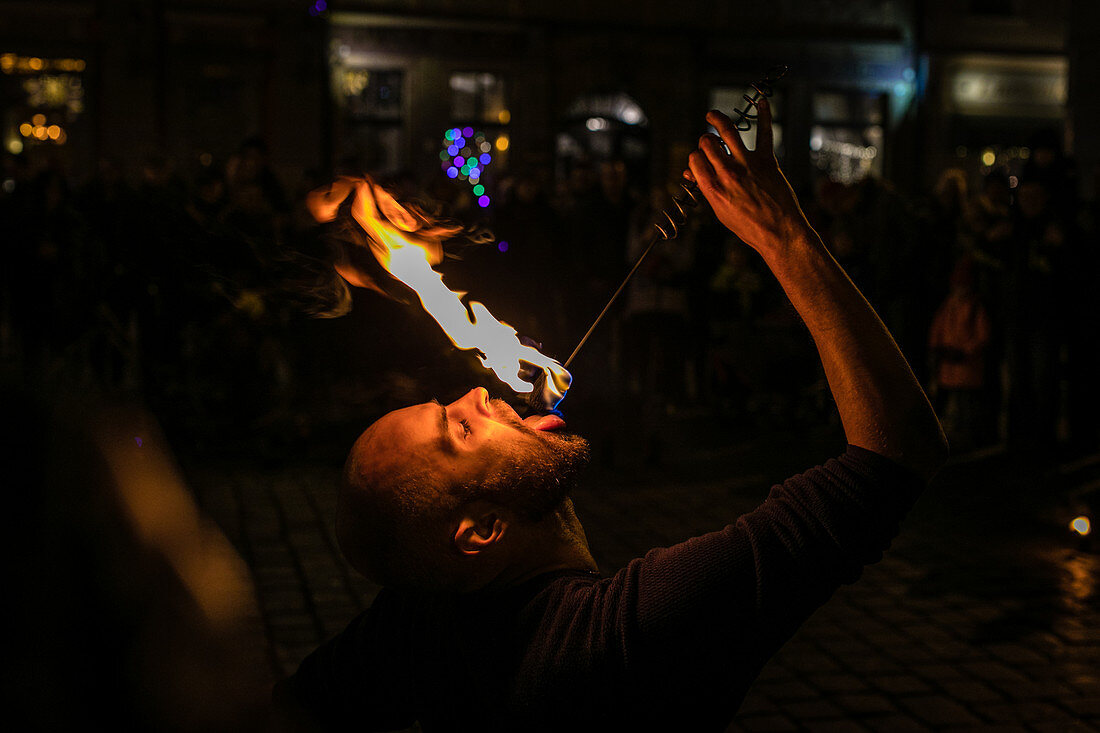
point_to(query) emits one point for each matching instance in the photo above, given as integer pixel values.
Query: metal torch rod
(656, 238)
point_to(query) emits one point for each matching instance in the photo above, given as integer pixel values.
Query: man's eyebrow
(444, 426)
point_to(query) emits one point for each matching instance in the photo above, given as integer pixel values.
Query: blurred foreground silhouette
(130, 607)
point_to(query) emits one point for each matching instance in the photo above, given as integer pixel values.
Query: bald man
(493, 614)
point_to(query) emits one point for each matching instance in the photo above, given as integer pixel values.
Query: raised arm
(881, 404)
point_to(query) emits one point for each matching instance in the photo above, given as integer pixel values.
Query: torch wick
(656, 238)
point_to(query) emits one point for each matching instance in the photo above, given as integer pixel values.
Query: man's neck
(555, 543)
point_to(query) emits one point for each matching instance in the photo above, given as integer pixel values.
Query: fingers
(730, 136)
(701, 170)
(720, 159)
(715, 152)
(764, 137)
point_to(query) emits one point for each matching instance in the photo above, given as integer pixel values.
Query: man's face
(481, 443)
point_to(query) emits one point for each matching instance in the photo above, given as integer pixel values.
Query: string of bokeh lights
(464, 156)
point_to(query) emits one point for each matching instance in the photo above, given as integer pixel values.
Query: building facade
(894, 88)
(998, 80)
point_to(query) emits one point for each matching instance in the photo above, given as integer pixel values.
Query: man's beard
(538, 472)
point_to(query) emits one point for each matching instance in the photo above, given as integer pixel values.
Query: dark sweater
(670, 642)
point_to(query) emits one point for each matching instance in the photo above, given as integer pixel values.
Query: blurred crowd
(171, 289)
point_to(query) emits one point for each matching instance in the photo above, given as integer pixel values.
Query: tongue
(545, 422)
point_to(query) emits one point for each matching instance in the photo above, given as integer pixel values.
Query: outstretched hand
(746, 189)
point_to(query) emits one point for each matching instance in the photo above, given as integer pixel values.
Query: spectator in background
(527, 263)
(598, 223)
(735, 365)
(989, 219)
(596, 219)
(52, 263)
(957, 343)
(883, 225)
(990, 222)
(948, 234)
(945, 237)
(207, 204)
(656, 318)
(257, 202)
(1082, 344)
(1047, 164)
(1036, 316)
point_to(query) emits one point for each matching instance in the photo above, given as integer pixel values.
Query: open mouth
(507, 413)
(544, 422)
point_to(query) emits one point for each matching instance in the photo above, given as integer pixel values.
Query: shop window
(609, 126)
(41, 100)
(373, 135)
(728, 99)
(372, 94)
(478, 97)
(1005, 8)
(847, 136)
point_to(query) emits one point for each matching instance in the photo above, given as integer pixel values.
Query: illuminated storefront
(561, 96)
(993, 105)
(43, 105)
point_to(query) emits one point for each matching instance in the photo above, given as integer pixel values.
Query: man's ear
(480, 528)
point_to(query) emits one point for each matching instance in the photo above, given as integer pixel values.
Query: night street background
(182, 371)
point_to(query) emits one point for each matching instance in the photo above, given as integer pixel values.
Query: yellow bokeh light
(505, 117)
(35, 64)
(26, 129)
(502, 143)
(53, 131)
(988, 157)
(15, 147)
(1081, 525)
(39, 120)
(80, 65)
(40, 132)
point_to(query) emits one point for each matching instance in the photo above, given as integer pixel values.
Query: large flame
(407, 246)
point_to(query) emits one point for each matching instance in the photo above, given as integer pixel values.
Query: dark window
(993, 7)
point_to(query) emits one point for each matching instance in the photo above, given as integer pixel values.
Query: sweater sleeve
(699, 619)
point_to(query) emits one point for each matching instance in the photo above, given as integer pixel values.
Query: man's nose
(476, 400)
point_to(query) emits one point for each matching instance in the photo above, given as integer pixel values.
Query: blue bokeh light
(464, 155)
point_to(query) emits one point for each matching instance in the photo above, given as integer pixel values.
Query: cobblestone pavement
(984, 615)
